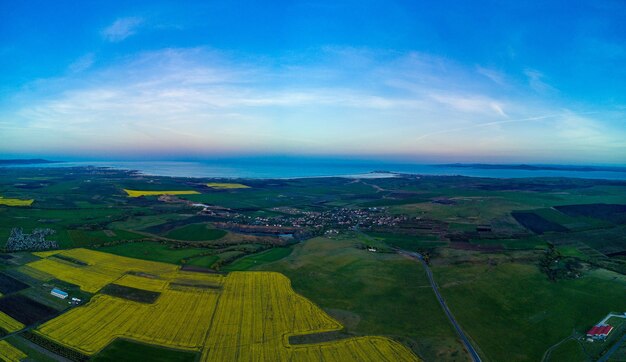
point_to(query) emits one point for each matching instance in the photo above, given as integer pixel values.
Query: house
(58, 293)
(599, 332)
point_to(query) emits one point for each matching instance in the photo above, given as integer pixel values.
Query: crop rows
(101, 268)
(134, 281)
(9, 353)
(178, 319)
(255, 315)
(9, 324)
(258, 311)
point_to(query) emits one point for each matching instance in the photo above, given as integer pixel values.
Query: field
(131, 293)
(268, 256)
(353, 286)
(179, 320)
(490, 296)
(15, 202)
(9, 324)
(196, 232)
(152, 251)
(129, 351)
(226, 186)
(10, 285)
(25, 310)
(187, 316)
(536, 223)
(102, 268)
(9, 353)
(484, 238)
(139, 193)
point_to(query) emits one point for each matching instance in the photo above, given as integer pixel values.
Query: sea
(294, 168)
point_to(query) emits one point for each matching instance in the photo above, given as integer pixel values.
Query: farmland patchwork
(241, 316)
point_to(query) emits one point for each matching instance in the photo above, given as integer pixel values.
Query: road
(442, 302)
(613, 349)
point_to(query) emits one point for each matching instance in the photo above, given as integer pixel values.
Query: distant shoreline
(525, 167)
(27, 161)
(227, 169)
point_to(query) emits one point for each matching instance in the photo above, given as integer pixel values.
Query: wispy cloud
(122, 28)
(536, 81)
(492, 74)
(203, 101)
(82, 63)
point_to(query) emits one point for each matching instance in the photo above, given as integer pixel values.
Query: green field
(196, 232)
(125, 350)
(251, 261)
(514, 313)
(206, 261)
(570, 350)
(382, 294)
(408, 242)
(152, 251)
(484, 259)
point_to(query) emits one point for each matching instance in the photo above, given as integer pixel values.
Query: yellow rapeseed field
(15, 202)
(138, 193)
(101, 270)
(45, 254)
(258, 311)
(153, 284)
(9, 353)
(86, 278)
(242, 316)
(9, 324)
(178, 319)
(225, 186)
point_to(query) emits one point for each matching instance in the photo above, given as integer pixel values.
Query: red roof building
(599, 331)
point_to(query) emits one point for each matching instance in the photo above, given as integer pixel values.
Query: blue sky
(479, 81)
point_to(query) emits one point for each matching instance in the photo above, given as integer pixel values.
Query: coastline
(294, 170)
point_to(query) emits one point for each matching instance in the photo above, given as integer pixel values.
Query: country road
(442, 302)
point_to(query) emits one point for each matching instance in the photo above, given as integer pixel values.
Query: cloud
(122, 28)
(536, 82)
(201, 100)
(494, 75)
(82, 63)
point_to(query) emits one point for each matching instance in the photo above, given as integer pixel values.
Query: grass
(250, 261)
(152, 251)
(408, 242)
(532, 242)
(139, 193)
(125, 350)
(205, 261)
(371, 293)
(226, 186)
(34, 353)
(196, 232)
(83, 238)
(569, 350)
(514, 313)
(130, 293)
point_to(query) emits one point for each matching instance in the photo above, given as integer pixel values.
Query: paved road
(443, 304)
(613, 349)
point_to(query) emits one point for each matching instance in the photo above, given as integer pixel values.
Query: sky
(417, 81)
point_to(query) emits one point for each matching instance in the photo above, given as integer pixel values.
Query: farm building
(599, 332)
(58, 293)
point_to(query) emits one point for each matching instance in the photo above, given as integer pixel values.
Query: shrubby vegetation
(556, 267)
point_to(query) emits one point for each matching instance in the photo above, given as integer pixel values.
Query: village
(304, 223)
